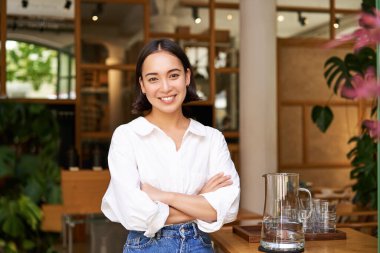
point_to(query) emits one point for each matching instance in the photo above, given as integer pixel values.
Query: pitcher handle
(310, 200)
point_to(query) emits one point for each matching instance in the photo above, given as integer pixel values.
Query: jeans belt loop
(158, 234)
(195, 229)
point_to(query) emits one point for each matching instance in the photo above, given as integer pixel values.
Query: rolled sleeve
(124, 201)
(225, 200)
(226, 203)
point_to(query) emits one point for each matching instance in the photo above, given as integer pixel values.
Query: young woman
(172, 178)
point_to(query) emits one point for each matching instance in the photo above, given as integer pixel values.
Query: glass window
(198, 54)
(227, 38)
(345, 24)
(182, 20)
(348, 4)
(40, 50)
(112, 33)
(297, 3)
(227, 101)
(36, 71)
(303, 24)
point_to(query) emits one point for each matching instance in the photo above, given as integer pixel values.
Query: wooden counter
(355, 242)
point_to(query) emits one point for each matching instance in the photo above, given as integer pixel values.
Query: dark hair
(141, 103)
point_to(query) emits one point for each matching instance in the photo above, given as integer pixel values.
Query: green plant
(29, 174)
(354, 77)
(28, 62)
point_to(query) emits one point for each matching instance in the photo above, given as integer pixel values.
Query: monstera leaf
(339, 72)
(322, 117)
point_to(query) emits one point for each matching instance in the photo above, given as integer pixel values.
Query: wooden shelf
(97, 135)
(227, 70)
(94, 90)
(99, 66)
(199, 37)
(200, 103)
(231, 134)
(40, 101)
(202, 4)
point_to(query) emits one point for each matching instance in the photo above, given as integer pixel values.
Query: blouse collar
(143, 127)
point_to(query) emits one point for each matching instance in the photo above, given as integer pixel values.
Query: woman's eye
(174, 75)
(152, 79)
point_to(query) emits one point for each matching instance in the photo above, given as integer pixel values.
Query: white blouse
(142, 152)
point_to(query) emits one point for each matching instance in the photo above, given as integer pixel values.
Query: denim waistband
(189, 229)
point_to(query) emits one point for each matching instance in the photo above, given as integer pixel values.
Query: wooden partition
(82, 193)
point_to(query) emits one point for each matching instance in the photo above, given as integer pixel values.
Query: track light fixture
(67, 4)
(336, 23)
(97, 12)
(24, 3)
(196, 17)
(301, 19)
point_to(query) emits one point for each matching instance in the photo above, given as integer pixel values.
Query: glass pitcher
(283, 217)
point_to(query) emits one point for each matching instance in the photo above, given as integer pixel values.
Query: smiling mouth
(167, 99)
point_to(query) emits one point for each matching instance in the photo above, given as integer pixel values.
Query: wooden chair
(82, 193)
(353, 216)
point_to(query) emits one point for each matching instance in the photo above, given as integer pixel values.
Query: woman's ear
(142, 85)
(188, 76)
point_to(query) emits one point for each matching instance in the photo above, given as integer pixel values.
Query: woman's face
(164, 82)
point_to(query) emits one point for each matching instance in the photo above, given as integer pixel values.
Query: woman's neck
(168, 121)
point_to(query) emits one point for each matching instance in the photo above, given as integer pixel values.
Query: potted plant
(29, 175)
(354, 77)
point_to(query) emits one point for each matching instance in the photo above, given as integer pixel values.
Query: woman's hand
(214, 183)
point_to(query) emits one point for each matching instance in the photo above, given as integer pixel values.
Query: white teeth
(167, 98)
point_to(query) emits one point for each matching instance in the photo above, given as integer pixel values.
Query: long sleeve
(123, 201)
(226, 199)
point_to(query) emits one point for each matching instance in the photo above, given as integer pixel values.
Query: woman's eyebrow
(155, 73)
(174, 70)
(151, 74)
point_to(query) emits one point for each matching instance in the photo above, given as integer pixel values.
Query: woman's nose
(165, 85)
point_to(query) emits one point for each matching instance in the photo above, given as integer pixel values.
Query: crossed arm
(184, 207)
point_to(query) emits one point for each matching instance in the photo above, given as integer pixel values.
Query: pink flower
(370, 20)
(373, 127)
(366, 87)
(367, 35)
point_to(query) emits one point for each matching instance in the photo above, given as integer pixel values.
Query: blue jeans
(178, 238)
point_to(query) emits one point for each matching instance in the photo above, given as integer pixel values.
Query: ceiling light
(301, 19)
(336, 23)
(229, 17)
(67, 4)
(280, 18)
(97, 12)
(196, 17)
(24, 3)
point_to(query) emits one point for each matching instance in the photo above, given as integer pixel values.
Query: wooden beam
(313, 165)
(315, 9)
(78, 71)
(117, 1)
(201, 4)
(3, 38)
(176, 36)
(211, 59)
(146, 21)
(332, 19)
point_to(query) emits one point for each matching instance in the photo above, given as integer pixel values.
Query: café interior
(67, 81)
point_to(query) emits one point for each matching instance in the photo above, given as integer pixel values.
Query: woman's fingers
(217, 181)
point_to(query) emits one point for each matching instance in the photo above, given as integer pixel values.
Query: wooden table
(244, 215)
(355, 242)
(349, 209)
